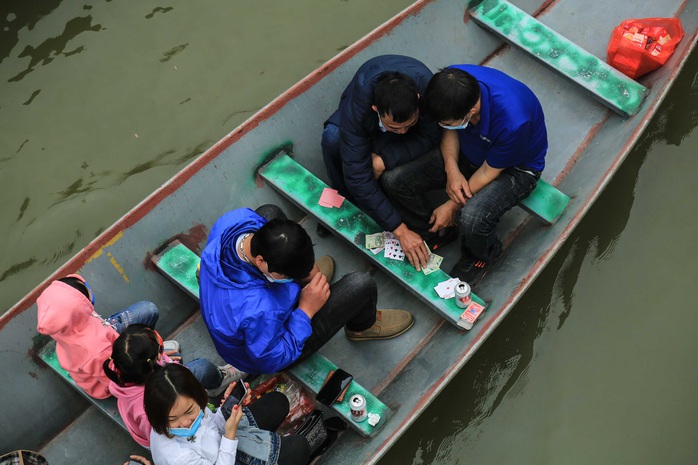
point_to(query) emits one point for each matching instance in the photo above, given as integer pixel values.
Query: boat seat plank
(179, 264)
(107, 406)
(611, 87)
(351, 224)
(312, 373)
(545, 202)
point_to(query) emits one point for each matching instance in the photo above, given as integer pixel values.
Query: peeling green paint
(610, 86)
(305, 189)
(180, 264)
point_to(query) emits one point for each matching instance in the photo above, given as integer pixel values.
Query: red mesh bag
(638, 46)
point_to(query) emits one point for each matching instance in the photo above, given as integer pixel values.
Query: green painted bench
(545, 202)
(611, 87)
(179, 264)
(107, 406)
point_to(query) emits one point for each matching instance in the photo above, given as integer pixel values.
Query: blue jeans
(258, 444)
(407, 187)
(206, 372)
(142, 312)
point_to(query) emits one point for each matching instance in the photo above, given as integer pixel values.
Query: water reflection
(45, 52)
(15, 15)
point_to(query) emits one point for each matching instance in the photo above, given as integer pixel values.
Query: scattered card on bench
(330, 198)
(393, 250)
(447, 289)
(434, 263)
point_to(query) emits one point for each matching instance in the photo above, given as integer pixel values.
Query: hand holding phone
(240, 392)
(334, 387)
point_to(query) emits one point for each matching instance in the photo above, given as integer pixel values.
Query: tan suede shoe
(389, 324)
(326, 266)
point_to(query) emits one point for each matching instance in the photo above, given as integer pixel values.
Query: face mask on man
(272, 279)
(463, 124)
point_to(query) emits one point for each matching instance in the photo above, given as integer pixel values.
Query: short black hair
(286, 247)
(163, 388)
(76, 284)
(396, 95)
(134, 355)
(451, 94)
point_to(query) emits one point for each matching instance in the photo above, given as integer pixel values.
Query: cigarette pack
(470, 315)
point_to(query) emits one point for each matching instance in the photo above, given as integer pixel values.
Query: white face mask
(463, 124)
(380, 125)
(272, 279)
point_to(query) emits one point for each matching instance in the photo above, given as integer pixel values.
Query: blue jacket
(255, 325)
(511, 131)
(358, 124)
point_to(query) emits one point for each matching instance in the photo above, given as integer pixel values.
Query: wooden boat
(588, 138)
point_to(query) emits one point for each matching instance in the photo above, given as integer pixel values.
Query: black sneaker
(444, 237)
(471, 269)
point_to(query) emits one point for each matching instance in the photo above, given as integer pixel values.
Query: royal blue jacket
(255, 325)
(511, 131)
(358, 125)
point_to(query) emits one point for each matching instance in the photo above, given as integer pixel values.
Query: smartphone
(337, 383)
(240, 391)
(134, 462)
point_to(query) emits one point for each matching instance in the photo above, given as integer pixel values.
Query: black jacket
(358, 125)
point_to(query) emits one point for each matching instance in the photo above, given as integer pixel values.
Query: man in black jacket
(378, 127)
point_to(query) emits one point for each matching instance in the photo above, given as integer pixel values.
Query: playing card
(434, 263)
(330, 198)
(393, 250)
(446, 289)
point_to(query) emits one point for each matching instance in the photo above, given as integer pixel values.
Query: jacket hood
(220, 257)
(83, 338)
(62, 309)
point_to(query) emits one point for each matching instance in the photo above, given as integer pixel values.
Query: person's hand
(170, 353)
(457, 188)
(229, 390)
(314, 295)
(413, 246)
(443, 216)
(138, 458)
(231, 424)
(378, 165)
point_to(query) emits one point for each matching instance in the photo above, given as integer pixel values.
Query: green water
(100, 103)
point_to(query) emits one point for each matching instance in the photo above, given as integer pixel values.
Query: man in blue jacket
(492, 155)
(267, 306)
(376, 128)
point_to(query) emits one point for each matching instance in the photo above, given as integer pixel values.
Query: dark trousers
(407, 187)
(269, 411)
(352, 303)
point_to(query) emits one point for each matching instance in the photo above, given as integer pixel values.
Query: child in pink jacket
(83, 338)
(136, 353)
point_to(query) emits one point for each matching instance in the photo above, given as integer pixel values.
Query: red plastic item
(301, 403)
(638, 46)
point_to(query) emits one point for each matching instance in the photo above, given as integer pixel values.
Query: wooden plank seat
(179, 264)
(545, 202)
(608, 85)
(107, 406)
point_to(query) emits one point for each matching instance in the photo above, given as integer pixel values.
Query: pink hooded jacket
(130, 404)
(83, 339)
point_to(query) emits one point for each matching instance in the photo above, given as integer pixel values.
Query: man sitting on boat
(268, 306)
(492, 154)
(376, 128)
